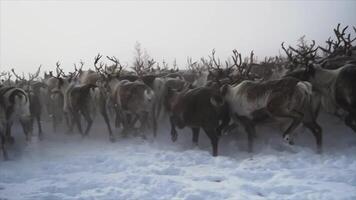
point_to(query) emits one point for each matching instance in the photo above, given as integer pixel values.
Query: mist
(41, 32)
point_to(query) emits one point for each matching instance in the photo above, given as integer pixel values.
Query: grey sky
(39, 32)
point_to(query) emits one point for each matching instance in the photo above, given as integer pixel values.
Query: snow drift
(70, 167)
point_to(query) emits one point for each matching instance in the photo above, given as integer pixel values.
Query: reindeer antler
(236, 58)
(59, 70)
(117, 64)
(17, 76)
(96, 60)
(33, 76)
(216, 63)
(191, 65)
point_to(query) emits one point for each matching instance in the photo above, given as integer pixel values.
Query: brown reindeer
(198, 108)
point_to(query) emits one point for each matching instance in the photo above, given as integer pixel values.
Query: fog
(41, 32)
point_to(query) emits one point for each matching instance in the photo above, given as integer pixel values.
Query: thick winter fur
(338, 90)
(136, 102)
(198, 108)
(284, 98)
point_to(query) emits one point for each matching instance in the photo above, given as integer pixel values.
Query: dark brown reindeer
(79, 104)
(78, 101)
(198, 108)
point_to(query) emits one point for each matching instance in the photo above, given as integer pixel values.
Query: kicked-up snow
(66, 166)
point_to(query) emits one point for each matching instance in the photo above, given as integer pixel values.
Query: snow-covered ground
(70, 167)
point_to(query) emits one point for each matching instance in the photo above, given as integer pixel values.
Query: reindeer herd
(209, 95)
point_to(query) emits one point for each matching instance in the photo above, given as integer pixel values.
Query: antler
(99, 69)
(288, 53)
(151, 62)
(115, 61)
(236, 58)
(304, 54)
(206, 63)
(138, 67)
(247, 71)
(80, 68)
(216, 63)
(32, 77)
(191, 64)
(116, 64)
(340, 36)
(330, 43)
(17, 76)
(59, 70)
(96, 60)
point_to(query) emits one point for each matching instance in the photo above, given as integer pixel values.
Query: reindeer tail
(16, 92)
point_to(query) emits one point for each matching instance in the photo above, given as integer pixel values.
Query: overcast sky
(41, 32)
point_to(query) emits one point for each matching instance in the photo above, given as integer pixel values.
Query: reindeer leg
(54, 122)
(250, 130)
(195, 135)
(76, 118)
(8, 136)
(104, 113)
(174, 135)
(214, 139)
(71, 124)
(350, 121)
(3, 146)
(26, 124)
(89, 120)
(317, 132)
(39, 125)
(118, 118)
(154, 125)
(297, 118)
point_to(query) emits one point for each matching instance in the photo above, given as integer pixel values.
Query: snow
(66, 166)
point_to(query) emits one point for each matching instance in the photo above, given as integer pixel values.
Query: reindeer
(287, 98)
(105, 92)
(2, 132)
(335, 87)
(198, 108)
(34, 92)
(15, 103)
(333, 78)
(56, 87)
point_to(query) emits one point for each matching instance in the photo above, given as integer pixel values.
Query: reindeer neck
(113, 82)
